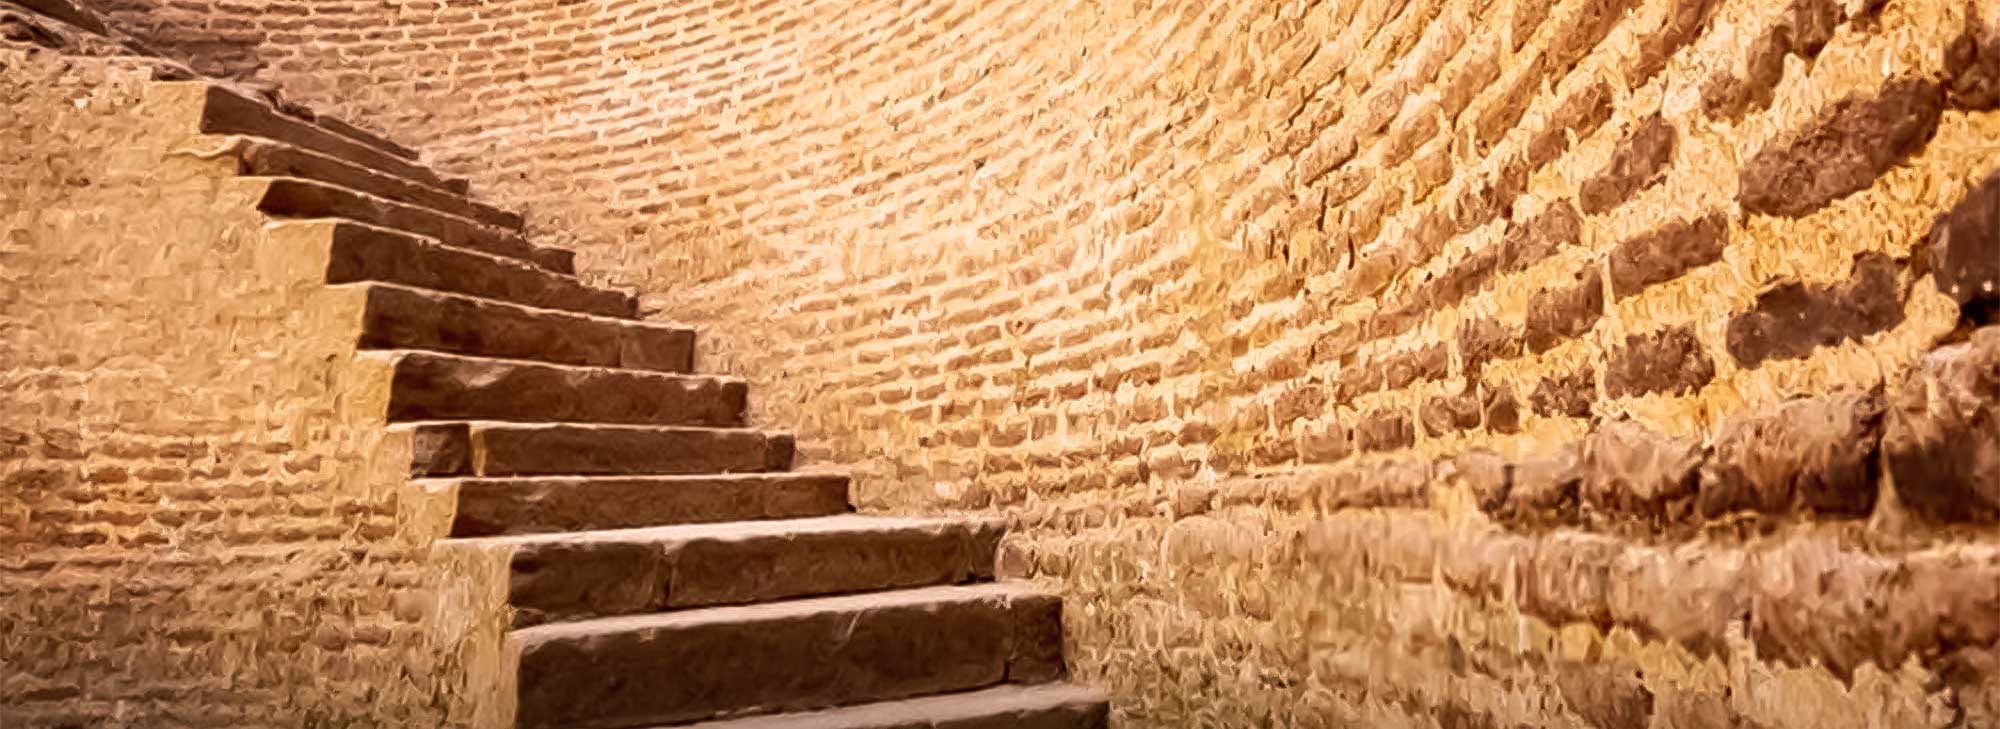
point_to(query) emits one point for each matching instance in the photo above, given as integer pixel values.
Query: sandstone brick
(1939, 444)
(1814, 454)
(1965, 250)
(1665, 254)
(1792, 318)
(1630, 469)
(1560, 314)
(1670, 361)
(1842, 150)
(1639, 161)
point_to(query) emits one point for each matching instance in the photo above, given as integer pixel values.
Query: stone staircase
(668, 567)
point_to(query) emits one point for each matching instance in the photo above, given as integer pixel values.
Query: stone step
(226, 111)
(287, 197)
(398, 317)
(366, 253)
(261, 158)
(801, 655)
(596, 574)
(528, 505)
(1047, 706)
(517, 449)
(435, 386)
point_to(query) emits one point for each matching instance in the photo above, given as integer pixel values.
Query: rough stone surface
(1669, 361)
(1024, 707)
(615, 572)
(1965, 250)
(1942, 439)
(1843, 150)
(1814, 454)
(1070, 265)
(523, 505)
(1792, 318)
(697, 664)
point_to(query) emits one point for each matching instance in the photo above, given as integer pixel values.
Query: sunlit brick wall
(1342, 362)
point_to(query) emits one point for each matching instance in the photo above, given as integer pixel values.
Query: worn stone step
(262, 158)
(528, 505)
(1047, 706)
(436, 386)
(518, 449)
(398, 317)
(800, 655)
(288, 197)
(594, 574)
(363, 253)
(226, 111)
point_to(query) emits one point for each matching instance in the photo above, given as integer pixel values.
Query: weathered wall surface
(203, 522)
(1515, 362)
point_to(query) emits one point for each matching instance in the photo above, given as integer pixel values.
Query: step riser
(457, 449)
(430, 387)
(271, 160)
(567, 451)
(372, 254)
(488, 508)
(294, 198)
(585, 579)
(786, 662)
(1054, 706)
(399, 318)
(226, 112)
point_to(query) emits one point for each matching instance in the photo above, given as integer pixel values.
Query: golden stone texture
(1184, 289)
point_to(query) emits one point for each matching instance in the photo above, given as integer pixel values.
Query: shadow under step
(264, 158)
(621, 572)
(399, 317)
(289, 197)
(434, 386)
(691, 665)
(1047, 706)
(519, 449)
(532, 505)
(362, 253)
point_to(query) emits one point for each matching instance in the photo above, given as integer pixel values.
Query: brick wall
(1518, 362)
(202, 520)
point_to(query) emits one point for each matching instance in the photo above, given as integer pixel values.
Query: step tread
(368, 253)
(262, 157)
(404, 317)
(296, 197)
(436, 386)
(747, 530)
(228, 111)
(767, 611)
(799, 655)
(582, 575)
(490, 506)
(1046, 706)
(503, 448)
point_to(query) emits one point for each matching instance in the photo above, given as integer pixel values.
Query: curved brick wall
(1588, 362)
(202, 522)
